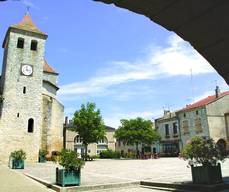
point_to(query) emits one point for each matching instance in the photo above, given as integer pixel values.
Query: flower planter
(65, 178)
(17, 164)
(206, 174)
(41, 159)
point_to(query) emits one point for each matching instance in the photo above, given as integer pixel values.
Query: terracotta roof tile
(204, 101)
(47, 68)
(27, 24)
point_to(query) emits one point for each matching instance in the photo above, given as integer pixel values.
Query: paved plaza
(99, 172)
(129, 189)
(12, 181)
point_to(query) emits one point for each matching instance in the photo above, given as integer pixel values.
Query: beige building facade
(74, 142)
(31, 117)
(168, 128)
(207, 117)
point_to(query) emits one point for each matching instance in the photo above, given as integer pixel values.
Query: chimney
(64, 131)
(66, 120)
(166, 112)
(217, 91)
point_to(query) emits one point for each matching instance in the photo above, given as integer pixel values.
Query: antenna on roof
(192, 85)
(216, 83)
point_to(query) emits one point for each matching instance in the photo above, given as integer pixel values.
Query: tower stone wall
(23, 99)
(18, 106)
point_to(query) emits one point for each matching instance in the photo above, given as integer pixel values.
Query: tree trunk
(137, 152)
(85, 152)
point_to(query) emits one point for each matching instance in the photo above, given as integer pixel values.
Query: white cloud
(29, 4)
(178, 58)
(114, 120)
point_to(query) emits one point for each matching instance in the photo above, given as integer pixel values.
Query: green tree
(203, 151)
(136, 131)
(89, 125)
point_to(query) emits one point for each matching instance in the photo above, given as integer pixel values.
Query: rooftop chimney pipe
(217, 91)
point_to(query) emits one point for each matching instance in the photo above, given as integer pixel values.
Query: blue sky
(126, 64)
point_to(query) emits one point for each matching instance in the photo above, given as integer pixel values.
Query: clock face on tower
(27, 70)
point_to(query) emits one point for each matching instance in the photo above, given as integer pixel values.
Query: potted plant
(204, 157)
(42, 156)
(18, 158)
(70, 173)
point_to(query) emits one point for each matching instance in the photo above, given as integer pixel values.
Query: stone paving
(130, 189)
(166, 170)
(12, 181)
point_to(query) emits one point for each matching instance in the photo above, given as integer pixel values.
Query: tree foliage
(89, 124)
(203, 151)
(136, 131)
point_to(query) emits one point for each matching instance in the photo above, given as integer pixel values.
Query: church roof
(48, 69)
(27, 24)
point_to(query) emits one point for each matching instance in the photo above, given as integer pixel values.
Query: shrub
(69, 160)
(55, 156)
(18, 155)
(131, 155)
(202, 151)
(94, 156)
(43, 152)
(110, 154)
(87, 157)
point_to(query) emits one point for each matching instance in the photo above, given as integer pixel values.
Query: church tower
(21, 89)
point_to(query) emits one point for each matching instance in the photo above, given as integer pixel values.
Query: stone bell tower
(21, 90)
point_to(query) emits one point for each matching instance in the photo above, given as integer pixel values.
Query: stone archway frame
(222, 143)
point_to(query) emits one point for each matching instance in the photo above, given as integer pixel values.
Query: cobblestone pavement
(169, 170)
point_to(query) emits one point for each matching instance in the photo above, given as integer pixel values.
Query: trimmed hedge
(110, 154)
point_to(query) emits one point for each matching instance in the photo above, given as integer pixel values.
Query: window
(184, 115)
(185, 126)
(20, 43)
(166, 130)
(78, 140)
(30, 125)
(198, 125)
(172, 148)
(24, 90)
(197, 112)
(175, 128)
(18, 114)
(33, 46)
(103, 141)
